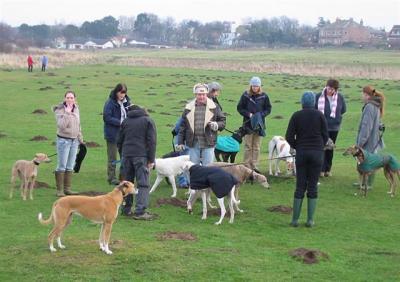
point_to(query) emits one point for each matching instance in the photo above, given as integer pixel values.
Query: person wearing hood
(307, 132)
(69, 136)
(137, 142)
(369, 135)
(214, 89)
(114, 112)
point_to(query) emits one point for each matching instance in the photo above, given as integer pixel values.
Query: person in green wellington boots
(307, 132)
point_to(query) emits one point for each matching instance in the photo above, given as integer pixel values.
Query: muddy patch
(39, 184)
(38, 138)
(278, 117)
(2, 135)
(174, 235)
(46, 88)
(281, 209)
(92, 144)
(39, 112)
(51, 74)
(308, 256)
(171, 201)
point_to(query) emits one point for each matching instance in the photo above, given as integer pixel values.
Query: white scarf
(333, 104)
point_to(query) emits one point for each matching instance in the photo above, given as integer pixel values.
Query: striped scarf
(321, 103)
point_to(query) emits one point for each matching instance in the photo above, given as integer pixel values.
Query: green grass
(359, 235)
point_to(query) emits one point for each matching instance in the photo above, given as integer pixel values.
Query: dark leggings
(327, 165)
(308, 167)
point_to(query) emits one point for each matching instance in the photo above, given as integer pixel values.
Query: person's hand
(250, 115)
(213, 125)
(69, 108)
(180, 147)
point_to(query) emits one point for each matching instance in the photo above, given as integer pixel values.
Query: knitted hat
(200, 88)
(308, 100)
(255, 81)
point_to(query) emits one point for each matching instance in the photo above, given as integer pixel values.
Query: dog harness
(374, 161)
(220, 181)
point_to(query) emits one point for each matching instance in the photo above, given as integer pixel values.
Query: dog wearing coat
(279, 149)
(100, 209)
(169, 167)
(222, 183)
(27, 172)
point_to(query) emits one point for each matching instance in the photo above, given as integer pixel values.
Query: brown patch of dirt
(39, 184)
(308, 256)
(216, 212)
(2, 135)
(277, 101)
(92, 144)
(38, 138)
(277, 117)
(281, 209)
(51, 74)
(91, 193)
(174, 235)
(171, 201)
(39, 112)
(46, 88)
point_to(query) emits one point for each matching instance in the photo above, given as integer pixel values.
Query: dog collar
(36, 163)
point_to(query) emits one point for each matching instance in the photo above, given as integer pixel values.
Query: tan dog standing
(27, 172)
(100, 209)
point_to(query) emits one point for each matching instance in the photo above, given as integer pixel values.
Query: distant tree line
(154, 30)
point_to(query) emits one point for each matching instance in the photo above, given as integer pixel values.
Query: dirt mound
(171, 201)
(92, 144)
(216, 212)
(91, 193)
(277, 117)
(308, 256)
(174, 235)
(281, 209)
(39, 112)
(46, 88)
(39, 184)
(38, 138)
(2, 135)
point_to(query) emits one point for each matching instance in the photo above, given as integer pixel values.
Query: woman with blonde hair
(369, 136)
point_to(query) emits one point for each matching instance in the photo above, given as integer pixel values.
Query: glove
(213, 125)
(330, 145)
(180, 147)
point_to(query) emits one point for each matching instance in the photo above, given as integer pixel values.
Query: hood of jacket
(137, 113)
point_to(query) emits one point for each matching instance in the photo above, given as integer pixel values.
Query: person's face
(69, 99)
(201, 98)
(365, 97)
(121, 95)
(215, 93)
(255, 88)
(330, 90)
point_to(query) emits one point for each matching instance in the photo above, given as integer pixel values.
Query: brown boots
(63, 183)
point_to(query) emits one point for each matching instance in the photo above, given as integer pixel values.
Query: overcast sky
(375, 13)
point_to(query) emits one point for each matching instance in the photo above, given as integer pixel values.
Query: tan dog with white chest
(27, 172)
(100, 209)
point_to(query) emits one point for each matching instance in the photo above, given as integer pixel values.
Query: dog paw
(52, 249)
(203, 218)
(173, 196)
(217, 223)
(241, 211)
(108, 252)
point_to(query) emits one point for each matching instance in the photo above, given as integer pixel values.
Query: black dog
(229, 146)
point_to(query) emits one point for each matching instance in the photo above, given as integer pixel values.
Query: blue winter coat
(112, 117)
(253, 104)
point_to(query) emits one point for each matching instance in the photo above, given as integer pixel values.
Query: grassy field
(360, 235)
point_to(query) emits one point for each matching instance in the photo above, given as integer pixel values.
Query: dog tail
(46, 221)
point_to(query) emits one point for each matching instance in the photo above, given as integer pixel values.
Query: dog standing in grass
(27, 172)
(100, 209)
(279, 149)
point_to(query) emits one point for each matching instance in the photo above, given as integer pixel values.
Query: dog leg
(55, 232)
(208, 193)
(60, 245)
(204, 201)
(190, 200)
(173, 184)
(156, 183)
(107, 235)
(25, 190)
(230, 203)
(101, 238)
(223, 210)
(32, 183)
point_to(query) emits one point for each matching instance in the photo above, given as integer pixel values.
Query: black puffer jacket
(220, 181)
(138, 137)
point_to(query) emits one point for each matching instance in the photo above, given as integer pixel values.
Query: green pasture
(360, 235)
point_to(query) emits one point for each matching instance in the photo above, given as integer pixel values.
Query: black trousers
(328, 156)
(308, 167)
(135, 168)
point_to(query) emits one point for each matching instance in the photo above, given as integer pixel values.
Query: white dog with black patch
(222, 183)
(279, 149)
(169, 167)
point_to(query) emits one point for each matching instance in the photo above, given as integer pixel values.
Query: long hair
(375, 96)
(251, 92)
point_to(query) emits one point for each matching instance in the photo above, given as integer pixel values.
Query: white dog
(169, 167)
(279, 149)
(206, 178)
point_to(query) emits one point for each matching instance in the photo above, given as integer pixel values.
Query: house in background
(393, 38)
(98, 44)
(343, 31)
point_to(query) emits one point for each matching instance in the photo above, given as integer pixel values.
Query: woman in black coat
(307, 133)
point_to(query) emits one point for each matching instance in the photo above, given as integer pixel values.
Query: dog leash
(52, 155)
(278, 158)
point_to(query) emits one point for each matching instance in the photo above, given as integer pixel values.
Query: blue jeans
(66, 153)
(197, 154)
